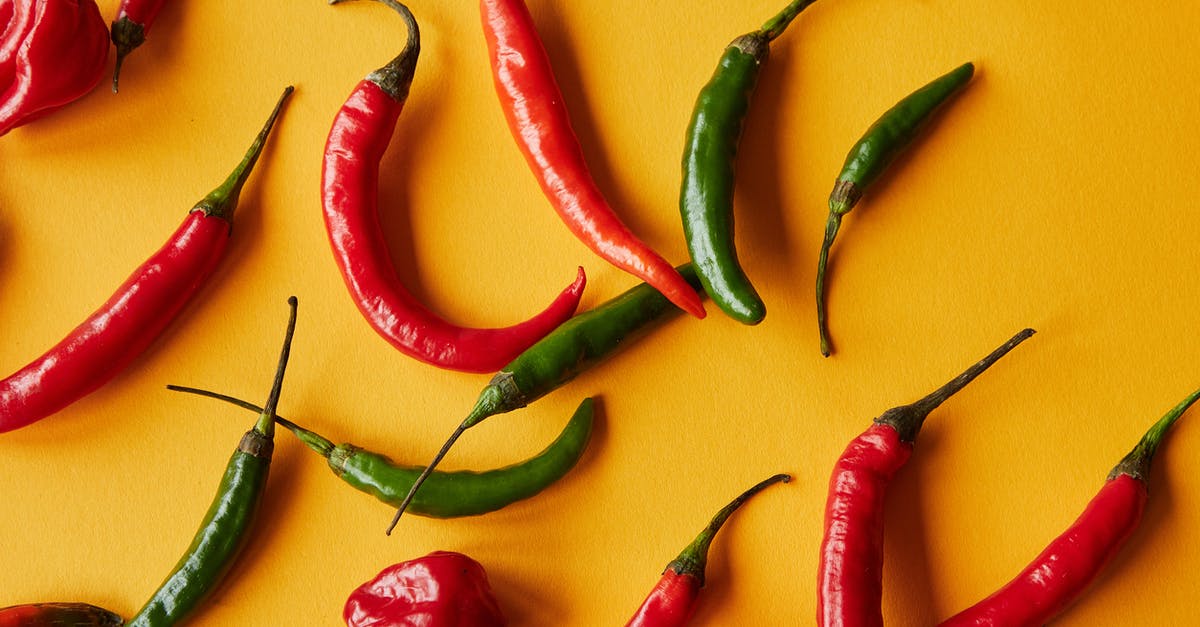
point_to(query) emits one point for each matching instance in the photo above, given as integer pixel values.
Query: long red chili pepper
(1060, 574)
(673, 601)
(137, 313)
(129, 30)
(359, 137)
(54, 52)
(538, 118)
(850, 572)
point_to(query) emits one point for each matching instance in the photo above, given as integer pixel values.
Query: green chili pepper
(885, 139)
(225, 527)
(445, 494)
(576, 345)
(706, 197)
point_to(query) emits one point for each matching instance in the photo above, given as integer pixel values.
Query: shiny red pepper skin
(850, 570)
(60, 50)
(360, 135)
(442, 589)
(58, 615)
(1062, 572)
(537, 116)
(129, 30)
(117, 332)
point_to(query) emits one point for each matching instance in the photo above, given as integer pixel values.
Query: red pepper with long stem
(359, 137)
(53, 53)
(129, 30)
(1061, 573)
(537, 116)
(673, 601)
(850, 572)
(137, 312)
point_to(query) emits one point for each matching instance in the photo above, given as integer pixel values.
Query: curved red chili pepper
(59, 49)
(850, 571)
(1061, 573)
(673, 601)
(360, 135)
(538, 118)
(137, 313)
(129, 30)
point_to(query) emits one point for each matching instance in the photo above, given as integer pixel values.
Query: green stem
(776, 25)
(313, 440)
(693, 560)
(907, 419)
(396, 77)
(831, 229)
(266, 420)
(222, 201)
(1137, 463)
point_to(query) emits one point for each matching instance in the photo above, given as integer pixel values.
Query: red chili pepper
(1060, 574)
(850, 572)
(538, 119)
(359, 137)
(57, 614)
(58, 49)
(137, 313)
(442, 589)
(129, 30)
(673, 600)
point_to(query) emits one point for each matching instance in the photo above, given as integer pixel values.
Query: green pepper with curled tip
(226, 525)
(445, 494)
(877, 148)
(575, 346)
(706, 195)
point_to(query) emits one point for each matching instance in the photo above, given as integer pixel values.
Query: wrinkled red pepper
(53, 52)
(442, 589)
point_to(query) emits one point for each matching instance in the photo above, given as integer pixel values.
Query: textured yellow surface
(1058, 192)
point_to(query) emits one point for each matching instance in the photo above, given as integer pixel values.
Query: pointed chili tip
(1137, 463)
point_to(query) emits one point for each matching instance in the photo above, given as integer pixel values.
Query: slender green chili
(882, 142)
(445, 494)
(225, 527)
(709, 155)
(578, 344)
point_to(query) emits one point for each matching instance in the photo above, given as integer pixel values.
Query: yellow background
(1058, 192)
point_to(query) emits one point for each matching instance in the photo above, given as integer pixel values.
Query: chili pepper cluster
(54, 52)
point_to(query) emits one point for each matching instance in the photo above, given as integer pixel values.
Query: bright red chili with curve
(53, 52)
(137, 313)
(360, 135)
(537, 116)
(442, 589)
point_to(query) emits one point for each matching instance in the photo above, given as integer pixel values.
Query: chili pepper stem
(126, 35)
(776, 25)
(223, 200)
(311, 439)
(266, 420)
(1137, 463)
(396, 77)
(831, 229)
(693, 560)
(907, 419)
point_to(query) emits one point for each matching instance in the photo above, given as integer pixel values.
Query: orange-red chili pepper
(850, 571)
(359, 137)
(1061, 573)
(53, 53)
(442, 589)
(57, 614)
(129, 30)
(537, 116)
(137, 313)
(673, 601)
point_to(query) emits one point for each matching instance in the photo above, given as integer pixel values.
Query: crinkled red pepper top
(442, 589)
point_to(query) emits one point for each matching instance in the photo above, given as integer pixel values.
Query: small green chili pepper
(706, 197)
(225, 527)
(445, 494)
(885, 139)
(575, 346)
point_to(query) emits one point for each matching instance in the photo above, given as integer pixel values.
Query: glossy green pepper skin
(709, 158)
(894, 131)
(575, 346)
